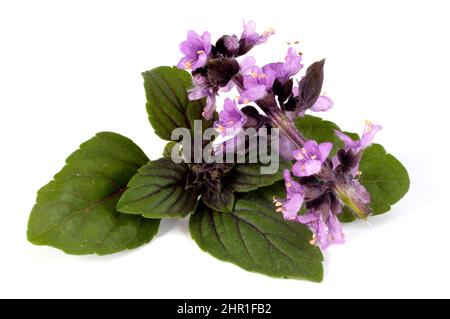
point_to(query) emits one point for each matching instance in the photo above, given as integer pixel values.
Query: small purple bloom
(231, 119)
(355, 147)
(322, 104)
(365, 141)
(251, 38)
(196, 50)
(283, 71)
(202, 90)
(310, 158)
(210, 107)
(290, 206)
(256, 85)
(228, 45)
(326, 227)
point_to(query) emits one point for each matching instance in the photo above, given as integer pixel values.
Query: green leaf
(257, 238)
(76, 212)
(248, 177)
(168, 106)
(385, 178)
(158, 191)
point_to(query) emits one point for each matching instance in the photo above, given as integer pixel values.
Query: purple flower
(210, 107)
(325, 226)
(228, 45)
(322, 104)
(310, 158)
(196, 50)
(231, 119)
(256, 85)
(251, 38)
(283, 71)
(290, 206)
(202, 90)
(353, 148)
(365, 141)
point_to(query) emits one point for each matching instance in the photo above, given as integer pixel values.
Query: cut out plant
(265, 185)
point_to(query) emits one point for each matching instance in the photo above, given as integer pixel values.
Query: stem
(277, 117)
(282, 121)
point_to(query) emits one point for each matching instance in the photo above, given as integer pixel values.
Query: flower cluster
(320, 182)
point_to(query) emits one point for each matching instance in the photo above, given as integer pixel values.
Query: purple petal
(193, 36)
(320, 230)
(201, 61)
(210, 107)
(335, 235)
(307, 218)
(294, 198)
(368, 135)
(249, 30)
(348, 142)
(293, 62)
(306, 167)
(231, 119)
(197, 93)
(187, 49)
(310, 147)
(291, 206)
(184, 63)
(206, 39)
(322, 104)
(246, 65)
(324, 150)
(291, 185)
(252, 94)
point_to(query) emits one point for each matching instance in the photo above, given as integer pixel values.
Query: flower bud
(227, 45)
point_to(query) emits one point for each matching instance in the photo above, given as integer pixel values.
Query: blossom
(249, 36)
(201, 90)
(356, 146)
(283, 71)
(290, 206)
(231, 119)
(349, 157)
(326, 227)
(322, 104)
(196, 50)
(310, 158)
(228, 45)
(256, 85)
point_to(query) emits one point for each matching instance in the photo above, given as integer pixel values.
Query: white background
(69, 69)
